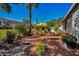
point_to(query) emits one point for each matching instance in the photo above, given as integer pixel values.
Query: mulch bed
(54, 47)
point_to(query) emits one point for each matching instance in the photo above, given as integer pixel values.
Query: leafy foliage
(26, 21)
(10, 37)
(5, 7)
(3, 33)
(40, 48)
(18, 35)
(70, 40)
(41, 28)
(30, 6)
(21, 29)
(55, 23)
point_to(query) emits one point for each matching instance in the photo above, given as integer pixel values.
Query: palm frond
(32, 5)
(5, 7)
(36, 5)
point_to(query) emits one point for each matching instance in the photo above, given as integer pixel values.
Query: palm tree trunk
(30, 18)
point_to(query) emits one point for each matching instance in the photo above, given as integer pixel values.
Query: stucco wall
(75, 18)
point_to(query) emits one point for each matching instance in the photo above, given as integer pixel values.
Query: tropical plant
(56, 27)
(22, 29)
(55, 23)
(10, 37)
(18, 35)
(70, 40)
(6, 7)
(30, 6)
(40, 48)
(62, 33)
(41, 28)
(26, 21)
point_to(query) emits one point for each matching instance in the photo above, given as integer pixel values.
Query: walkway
(27, 47)
(55, 47)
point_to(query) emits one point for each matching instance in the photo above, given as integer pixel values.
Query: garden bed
(3, 32)
(14, 49)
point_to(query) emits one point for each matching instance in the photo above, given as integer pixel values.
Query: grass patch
(40, 48)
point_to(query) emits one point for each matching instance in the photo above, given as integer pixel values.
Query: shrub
(18, 36)
(39, 31)
(62, 33)
(70, 40)
(42, 32)
(40, 48)
(3, 33)
(22, 29)
(10, 37)
(41, 28)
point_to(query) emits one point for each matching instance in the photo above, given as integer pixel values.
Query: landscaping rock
(16, 50)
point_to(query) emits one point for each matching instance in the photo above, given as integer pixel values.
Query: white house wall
(69, 25)
(75, 18)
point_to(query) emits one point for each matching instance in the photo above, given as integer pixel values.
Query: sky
(45, 12)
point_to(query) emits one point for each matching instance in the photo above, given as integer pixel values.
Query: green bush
(10, 36)
(8, 33)
(18, 35)
(70, 40)
(3, 33)
(22, 29)
(62, 33)
(39, 31)
(41, 28)
(40, 48)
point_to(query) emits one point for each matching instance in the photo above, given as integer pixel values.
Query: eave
(69, 12)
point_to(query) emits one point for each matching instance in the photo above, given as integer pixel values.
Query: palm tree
(37, 21)
(5, 7)
(30, 6)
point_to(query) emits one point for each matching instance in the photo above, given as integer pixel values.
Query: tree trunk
(30, 18)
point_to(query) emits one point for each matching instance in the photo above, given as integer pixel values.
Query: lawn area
(4, 31)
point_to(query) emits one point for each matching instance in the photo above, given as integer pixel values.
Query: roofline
(9, 20)
(71, 8)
